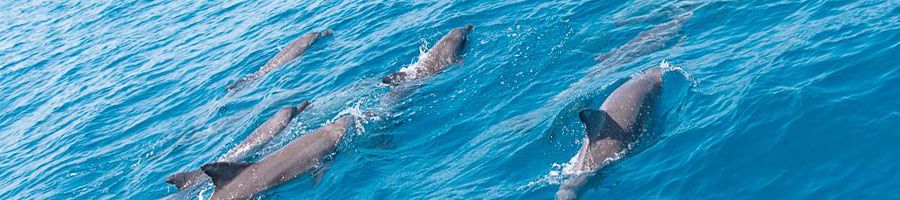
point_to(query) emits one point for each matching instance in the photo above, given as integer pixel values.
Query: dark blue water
(773, 99)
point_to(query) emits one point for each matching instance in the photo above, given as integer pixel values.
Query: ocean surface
(768, 99)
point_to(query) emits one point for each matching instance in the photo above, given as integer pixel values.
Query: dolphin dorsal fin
(594, 121)
(182, 180)
(223, 172)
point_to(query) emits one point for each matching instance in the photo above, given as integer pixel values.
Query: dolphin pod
(235, 179)
(261, 136)
(609, 130)
(286, 55)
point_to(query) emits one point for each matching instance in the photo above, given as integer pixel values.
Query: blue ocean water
(773, 99)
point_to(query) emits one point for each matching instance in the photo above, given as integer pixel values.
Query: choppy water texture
(778, 99)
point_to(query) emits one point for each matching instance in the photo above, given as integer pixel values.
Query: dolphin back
(265, 132)
(610, 129)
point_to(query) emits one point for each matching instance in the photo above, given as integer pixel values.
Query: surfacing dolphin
(241, 180)
(260, 137)
(610, 130)
(444, 53)
(286, 55)
(438, 58)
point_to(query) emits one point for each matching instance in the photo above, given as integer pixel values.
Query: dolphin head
(326, 33)
(458, 37)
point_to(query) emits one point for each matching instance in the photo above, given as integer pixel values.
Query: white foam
(664, 64)
(358, 114)
(554, 177)
(674, 68)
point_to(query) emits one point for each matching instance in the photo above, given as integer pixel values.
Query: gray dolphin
(645, 43)
(241, 180)
(611, 129)
(286, 55)
(441, 55)
(261, 136)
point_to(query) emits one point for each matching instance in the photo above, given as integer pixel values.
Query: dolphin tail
(182, 180)
(594, 122)
(223, 172)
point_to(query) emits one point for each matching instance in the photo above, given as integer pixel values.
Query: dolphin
(435, 60)
(241, 180)
(443, 54)
(286, 55)
(261, 136)
(611, 129)
(645, 43)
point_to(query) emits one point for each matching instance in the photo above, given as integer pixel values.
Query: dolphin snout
(469, 27)
(326, 33)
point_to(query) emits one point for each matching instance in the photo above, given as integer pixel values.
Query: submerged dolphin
(241, 180)
(289, 53)
(661, 12)
(611, 129)
(261, 136)
(645, 43)
(441, 55)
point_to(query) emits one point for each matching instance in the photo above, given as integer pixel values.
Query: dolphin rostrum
(286, 55)
(441, 55)
(261, 136)
(610, 130)
(241, 180)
